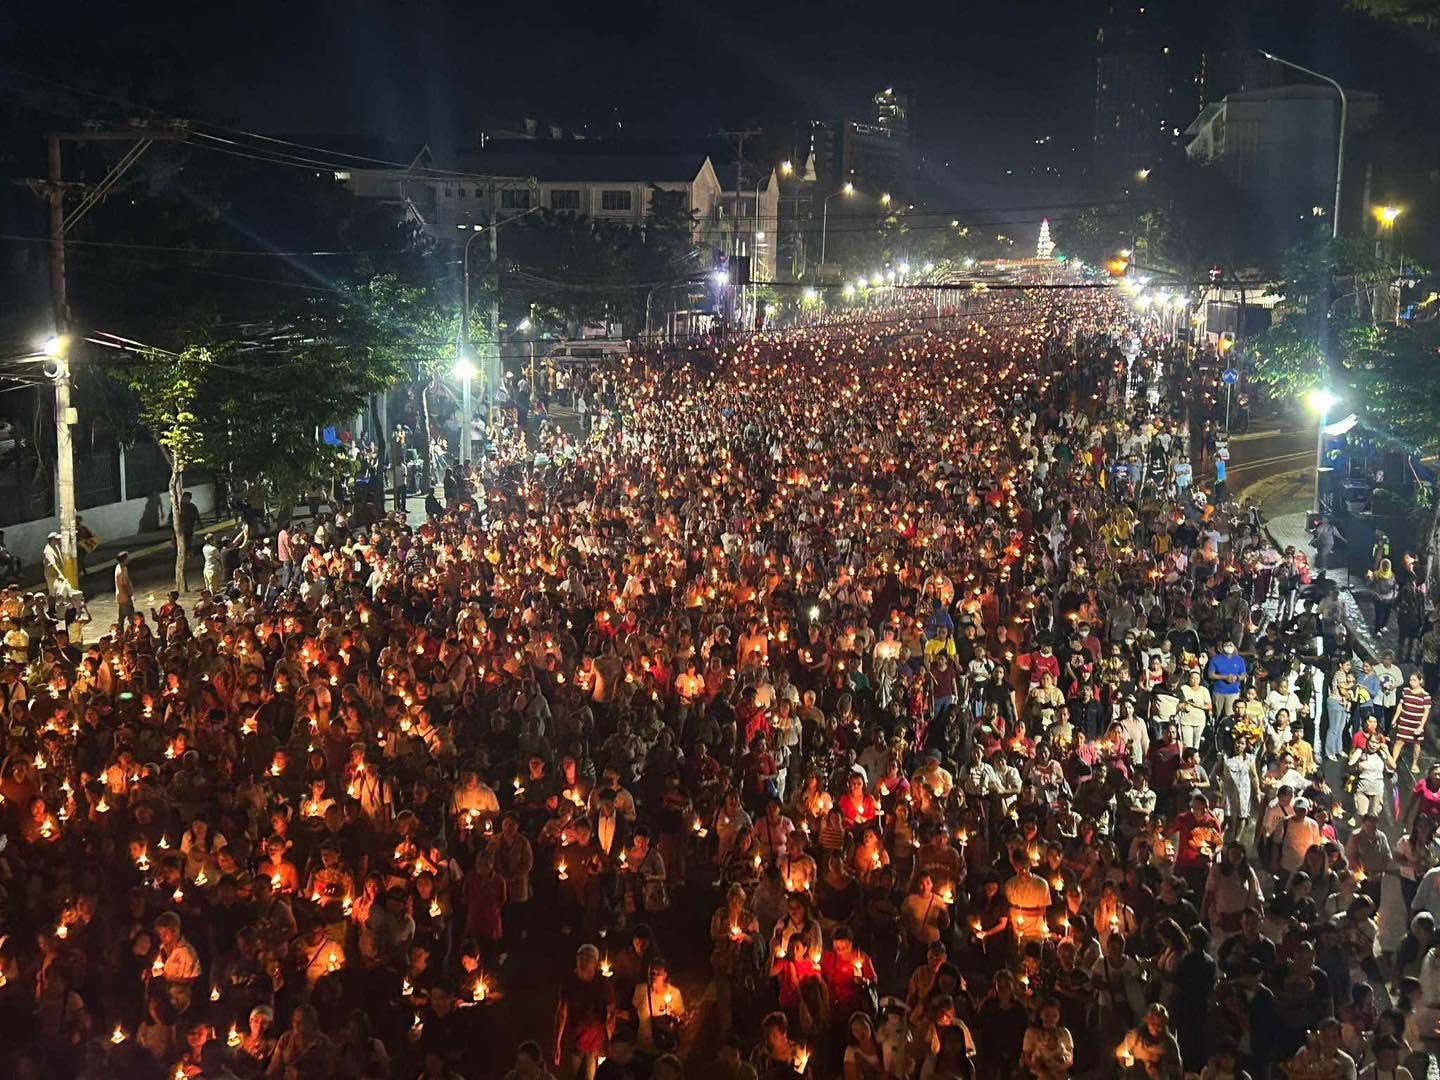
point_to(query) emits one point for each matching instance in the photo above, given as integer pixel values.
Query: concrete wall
(111, 522)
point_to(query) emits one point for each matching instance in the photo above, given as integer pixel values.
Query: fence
(27, 492)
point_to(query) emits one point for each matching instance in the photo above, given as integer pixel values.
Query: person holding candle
(584, 1015)
(734, 933)
(660, 1009)
(1049, 1049)
(848, 973)
(1150, 1050)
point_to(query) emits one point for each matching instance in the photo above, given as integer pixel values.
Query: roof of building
(1298, 91)
(558, 162)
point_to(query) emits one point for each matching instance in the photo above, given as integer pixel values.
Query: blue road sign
(1230, 376)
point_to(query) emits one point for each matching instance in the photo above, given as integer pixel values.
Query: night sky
(988, 79)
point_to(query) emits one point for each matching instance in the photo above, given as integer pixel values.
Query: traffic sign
(1230, 376)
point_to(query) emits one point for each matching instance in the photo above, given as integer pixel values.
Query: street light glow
(787, 167)
(849, 291)
(54, 345)
(721, 277)
(1386, 215)
(885, 199)
(848, 189)
(1144, 174)
(810, 295)
(525, 324)
(464, 368)
(904, 268)
(1322, 400)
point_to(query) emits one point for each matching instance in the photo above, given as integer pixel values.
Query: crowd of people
(874, 699)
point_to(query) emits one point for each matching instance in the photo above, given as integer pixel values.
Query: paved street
(1253, 458)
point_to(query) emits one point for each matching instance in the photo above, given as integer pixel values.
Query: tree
(169, 387)
(1422, 13)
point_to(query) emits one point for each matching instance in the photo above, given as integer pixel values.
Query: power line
(19, 238)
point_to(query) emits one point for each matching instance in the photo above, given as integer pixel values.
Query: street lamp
(1387, 216)
(1340, 150)
(465, 352)
(885, 199)
(1321, 401)
(847, 191)
(787, 167)
(1143, 174)
(464, 370)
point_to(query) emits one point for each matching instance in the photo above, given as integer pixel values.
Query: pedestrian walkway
(152, 568)
(1356, 602)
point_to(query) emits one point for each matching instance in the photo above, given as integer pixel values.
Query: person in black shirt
(1250, 944)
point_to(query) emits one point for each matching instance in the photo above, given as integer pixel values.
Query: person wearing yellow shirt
(942, 642)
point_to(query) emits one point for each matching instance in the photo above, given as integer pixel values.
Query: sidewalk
(152, 567)
(142, 546)
(1355, 601)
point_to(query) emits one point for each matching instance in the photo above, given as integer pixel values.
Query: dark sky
(988, 78)
(433, 69)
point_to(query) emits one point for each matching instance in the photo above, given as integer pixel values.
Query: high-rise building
(877, 155)
(1156, 66)
(892, 113)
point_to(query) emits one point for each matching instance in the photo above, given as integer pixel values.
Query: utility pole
(493, 186)
(737, 141)
(53, 190)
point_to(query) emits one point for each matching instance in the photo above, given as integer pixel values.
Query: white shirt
(1297, 836)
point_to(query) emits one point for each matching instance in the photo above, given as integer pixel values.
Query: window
(565, 199)
(614, 200)
(462, 192)
(515, 199)
(449, 193)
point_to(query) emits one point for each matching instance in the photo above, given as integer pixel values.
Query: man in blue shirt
(939, 617)
(1226, 673)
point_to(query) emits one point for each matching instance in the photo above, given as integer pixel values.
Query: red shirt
(1039, 664)
(858, 811)
(1193, 830)
(846, 993)
(484, 900)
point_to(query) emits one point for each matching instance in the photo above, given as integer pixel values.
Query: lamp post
(1322, 401)
(1386, 217)
(464, 369)
(524, 326)
(1340, 151)
(847, 190)
(465, 363)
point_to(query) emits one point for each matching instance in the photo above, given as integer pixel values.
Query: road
(1269, 454)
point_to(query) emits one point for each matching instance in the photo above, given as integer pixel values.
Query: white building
(755, 208)
(510, 177)
(1278, 146)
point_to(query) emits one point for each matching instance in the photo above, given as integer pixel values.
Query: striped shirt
(1414, 712)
